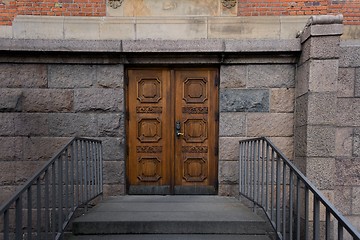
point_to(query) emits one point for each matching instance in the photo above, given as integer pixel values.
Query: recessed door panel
(172, 131)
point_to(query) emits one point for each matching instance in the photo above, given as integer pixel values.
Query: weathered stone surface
(356, 200)
(117, 28)
(270, 124)
(233, 76)
(321, 172)
(301, 110)
(300, 141)
(348, 112)
(31, 124)
(347, 171)
(343, 199)
(113, 149)
(321, 108)
(244, 100)
(231, 190)
(48, 100)
(282, 100)
(6, 193)
(229, 148)
(349, 56)
(344, 142)
(111, 125)
(8, 173)
(302, 79)
(71, 76)
(71, 124)
(229, 172)
(285, 144)
(11, 100)
(26, 169)
(113, 190)
(320, 141)
(23, 75)
(98, 99)
(320, 48)
(81, 28)
(345, 84)
(356, 143)
(11, 148)
(42, 148)
(110, 76)
(114, 172)
(273, 76)
(7, 124)
(357, 82)
(323, 75)
(232, 124)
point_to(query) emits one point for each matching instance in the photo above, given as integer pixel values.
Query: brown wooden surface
(160, 161)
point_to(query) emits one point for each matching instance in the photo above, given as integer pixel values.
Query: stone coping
(152, 46)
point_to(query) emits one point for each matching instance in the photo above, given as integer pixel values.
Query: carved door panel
(172, 131)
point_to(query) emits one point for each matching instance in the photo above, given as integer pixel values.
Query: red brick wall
(349, 8)
(9, 9)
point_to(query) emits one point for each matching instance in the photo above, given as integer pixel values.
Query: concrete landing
(171, 217)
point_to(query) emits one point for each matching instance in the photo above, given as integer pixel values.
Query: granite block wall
(255, 100)
(347, 160)
(43, 105)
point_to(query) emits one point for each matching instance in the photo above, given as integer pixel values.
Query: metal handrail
(44, 205)
(294, 206)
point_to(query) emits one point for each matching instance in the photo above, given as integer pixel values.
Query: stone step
(170, 215)
(170, 237)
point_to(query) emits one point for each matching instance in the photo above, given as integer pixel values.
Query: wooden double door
(172, 130)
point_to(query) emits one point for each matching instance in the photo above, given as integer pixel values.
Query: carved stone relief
(229, 3)
(115, 3)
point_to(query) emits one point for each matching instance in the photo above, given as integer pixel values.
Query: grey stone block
(232, 124)
(273, 76)
(282, 100)
(11, 100)
(7, 173)
(300, 142)
(113, 148)
(268, 45)
(323, 75)
(345, 84)
(71, 124)
(98, 99)
(356, 143)
(110, 76)
(285, 144)
(347, 171)
(233, 76)
(7, 124)
(244, 100)
(344, 142)
(48, 100)
(11, 149)
(348, 112)
(301, 110)
(320, 141)
(320, 48)
(229, 172)
(26, 169)
(357, 82)
(343, 199)
(324, 30)
(71, 76)
(32, 124)
(111, 125)
(42, 148)
(23, 75)
(350, 56)
(229, 148)
(355, 207)
(270, 124)
(302, 79)
(6, 191)
(321, 108)
(321, 172)
(230, 190)
(114, 172)
(113, 190)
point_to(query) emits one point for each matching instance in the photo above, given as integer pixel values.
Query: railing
(295, 208)
(43, 207)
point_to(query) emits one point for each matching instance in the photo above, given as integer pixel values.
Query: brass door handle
(178, 128)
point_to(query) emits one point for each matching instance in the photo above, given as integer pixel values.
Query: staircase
(171, 217)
